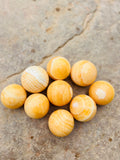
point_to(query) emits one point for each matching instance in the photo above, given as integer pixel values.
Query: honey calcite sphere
(13, 96)
(34, 79)
(58, 68)
(59, 93)
(102, 92)
(61, 123)
(36, 106)
(83, 73)
(83, 108)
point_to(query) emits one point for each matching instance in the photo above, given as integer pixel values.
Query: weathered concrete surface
(33, 31)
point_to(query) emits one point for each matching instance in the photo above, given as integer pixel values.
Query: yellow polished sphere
(13, 96)
(83, 73)
(36, 106)
(58, 68)
(102, 92)
(34, 79)
(83, 108)
(59, 93)
(61, 123)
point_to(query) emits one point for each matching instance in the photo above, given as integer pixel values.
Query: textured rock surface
(33, 31)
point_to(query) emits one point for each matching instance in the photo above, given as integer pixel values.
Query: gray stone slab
(31, 33)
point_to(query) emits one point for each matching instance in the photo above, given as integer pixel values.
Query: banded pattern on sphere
(58, 68)
(61, 123)
(83, 108)
(102, 92)
(59, 93)
(83, 73)
(34, 79)
(36, 106)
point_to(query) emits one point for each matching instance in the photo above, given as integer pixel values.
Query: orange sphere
(36, 106)
(58, 68)
(13, 96)
(83, 108)
(102, 92)
(34, 79)
(59, 93)
(61, 123)
(83, 73)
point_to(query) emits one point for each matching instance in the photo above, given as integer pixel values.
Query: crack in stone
(12, 75)
(17, 73)
(84, 29)
(114, 24)
(86, 23)
(43, 59)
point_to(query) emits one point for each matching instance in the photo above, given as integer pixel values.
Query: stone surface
(32, 32)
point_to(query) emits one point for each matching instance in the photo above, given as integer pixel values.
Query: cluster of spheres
(35, 79)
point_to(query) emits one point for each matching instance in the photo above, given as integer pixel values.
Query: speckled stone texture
(32, 32)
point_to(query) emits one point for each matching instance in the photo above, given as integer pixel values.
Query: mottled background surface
(32, 32)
